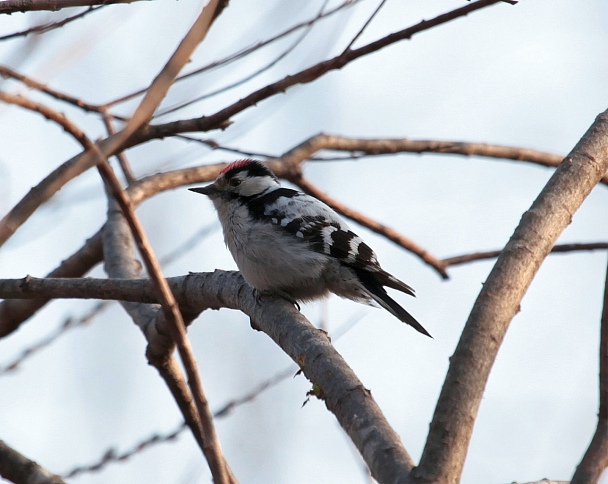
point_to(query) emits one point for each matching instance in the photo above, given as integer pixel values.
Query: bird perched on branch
(289, 244)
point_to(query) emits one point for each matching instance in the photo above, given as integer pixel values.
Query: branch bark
(13, 6)
(340, 389)
(491, 254)
(452, 425)
(595, 460)
(17, 468)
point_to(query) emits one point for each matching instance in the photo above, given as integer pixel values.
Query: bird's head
(243, 178)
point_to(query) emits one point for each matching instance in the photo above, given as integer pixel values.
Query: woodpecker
(289, 244)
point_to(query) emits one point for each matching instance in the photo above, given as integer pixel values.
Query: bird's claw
(276, 294)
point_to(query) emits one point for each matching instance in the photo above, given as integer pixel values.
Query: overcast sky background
(533, 75)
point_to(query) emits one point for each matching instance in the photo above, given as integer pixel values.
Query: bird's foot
(276, 294)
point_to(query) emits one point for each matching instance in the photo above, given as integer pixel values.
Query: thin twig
(222, 118)
(241, 54)
(247, 78)
(595, 460)
(41, 29)
(121, 157)
(365, 25)
(68, 323)
(492, 254)
(13, 6)
(7, 72)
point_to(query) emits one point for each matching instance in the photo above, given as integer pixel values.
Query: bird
(291, 245)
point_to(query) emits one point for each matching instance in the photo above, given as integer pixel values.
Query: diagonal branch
(164, 80)
(114, 143)
(176, 327)
(595, 460)
(222, 117)
(498, 302)
(17, 468)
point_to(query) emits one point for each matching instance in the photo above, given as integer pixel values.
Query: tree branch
(222, 118)
(310, 348)
(13, 6)
(17, 468)
(492, 254)
(595, 460)
(452, 425)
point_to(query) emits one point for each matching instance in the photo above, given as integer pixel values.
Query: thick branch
(17, 468)
(595, 460)
(343, 393)
(499, 300)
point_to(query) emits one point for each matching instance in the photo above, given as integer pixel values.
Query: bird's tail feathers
(385, 279)
(373, 286)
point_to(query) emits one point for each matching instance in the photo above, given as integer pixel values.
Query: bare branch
(365, 25)
(67, 324)
(498, 302)
(17, 468)
(243, 53)
(222, 117)
(56, 179)
(113, 143)
(164, 80)
(248, 77)
(211, 448)
(121, 157)
(111, 455)
(176, 327)
(343, 393)
(492, 254)
(13, 6)
(595, 460)
(41, 29)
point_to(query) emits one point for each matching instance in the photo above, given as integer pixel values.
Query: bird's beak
(210, 190)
